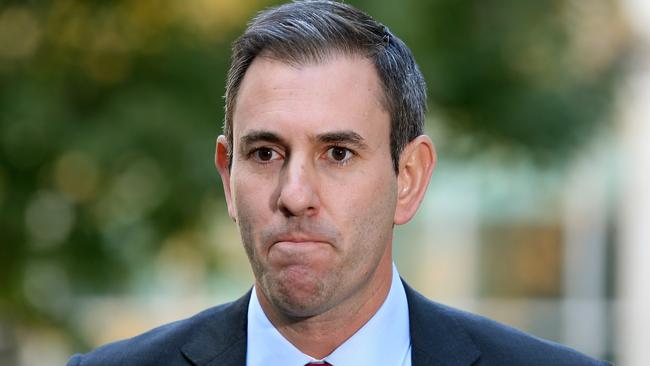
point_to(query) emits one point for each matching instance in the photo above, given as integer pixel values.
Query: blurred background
(112, 217)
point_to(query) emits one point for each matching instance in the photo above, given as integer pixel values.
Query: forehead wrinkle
(332, 55)
(271, 99)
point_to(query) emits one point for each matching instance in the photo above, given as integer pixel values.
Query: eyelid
(248, 150)
(351, 152)
(254, 149)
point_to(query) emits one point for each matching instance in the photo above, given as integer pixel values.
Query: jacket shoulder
(502, 344)
(161, 345)
(492, 342)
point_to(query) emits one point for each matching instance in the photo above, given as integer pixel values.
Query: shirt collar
(383, 340)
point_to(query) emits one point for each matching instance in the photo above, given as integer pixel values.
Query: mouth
(299, 246)
(292, 254)
(295, 241)
(299, 239)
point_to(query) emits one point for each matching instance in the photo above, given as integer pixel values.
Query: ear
(416, 164)
(222, 163)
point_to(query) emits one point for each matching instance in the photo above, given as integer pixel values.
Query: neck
(319, 335)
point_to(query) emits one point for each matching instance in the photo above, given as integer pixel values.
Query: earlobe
(221, 161)
(416, 165)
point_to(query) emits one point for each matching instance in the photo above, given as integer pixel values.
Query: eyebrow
(333, 137)
(260, 135)
(343, 137)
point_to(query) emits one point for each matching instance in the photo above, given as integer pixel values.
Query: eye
(339, 154)
(265, 154)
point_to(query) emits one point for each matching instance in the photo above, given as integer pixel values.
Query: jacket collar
(436, 337)
(221, 339)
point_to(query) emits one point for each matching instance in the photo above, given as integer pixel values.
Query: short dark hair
(310, 31)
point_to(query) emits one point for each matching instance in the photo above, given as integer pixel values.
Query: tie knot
(324, 363)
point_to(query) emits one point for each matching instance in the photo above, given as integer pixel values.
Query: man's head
(308, 167)
(310, 32)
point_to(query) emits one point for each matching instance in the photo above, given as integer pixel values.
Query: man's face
(311, 185)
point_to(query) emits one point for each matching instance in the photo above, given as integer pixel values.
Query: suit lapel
(436, 338)
(221, 340)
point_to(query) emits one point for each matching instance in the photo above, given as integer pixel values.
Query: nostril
(286, 212)
(292, 204)
(298, 202)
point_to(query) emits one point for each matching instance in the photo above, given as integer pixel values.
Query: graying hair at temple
(310, 32)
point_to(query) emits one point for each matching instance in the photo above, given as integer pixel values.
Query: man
(323, 154)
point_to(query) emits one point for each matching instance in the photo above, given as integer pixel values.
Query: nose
(298, 190)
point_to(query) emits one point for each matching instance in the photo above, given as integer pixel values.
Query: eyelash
(252, 152)
(352, 155)
(343, 162)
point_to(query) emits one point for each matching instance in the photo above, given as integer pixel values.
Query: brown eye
(265, 154)
(339, 154)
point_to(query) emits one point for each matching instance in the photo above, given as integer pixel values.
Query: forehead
(341, 92)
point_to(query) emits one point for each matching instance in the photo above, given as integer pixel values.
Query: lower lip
(291, 253)
(295, 247)
(300, 243)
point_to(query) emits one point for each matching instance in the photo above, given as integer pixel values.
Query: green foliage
(534, 77)
(106, 146)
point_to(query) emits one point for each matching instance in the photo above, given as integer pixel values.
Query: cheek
(250, 199)
(250, 202)
(376, 193)
(376, 209)
(365, 208)
(251, 196)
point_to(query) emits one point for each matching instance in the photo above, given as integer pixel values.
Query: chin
(297, 296)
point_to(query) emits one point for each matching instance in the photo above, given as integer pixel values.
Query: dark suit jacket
(440, 336)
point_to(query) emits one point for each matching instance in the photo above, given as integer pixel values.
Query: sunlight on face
(312, 185)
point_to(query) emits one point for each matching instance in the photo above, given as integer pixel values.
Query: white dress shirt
(383, 340)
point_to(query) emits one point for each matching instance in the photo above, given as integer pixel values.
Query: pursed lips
(296, 240)
(298, 243)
